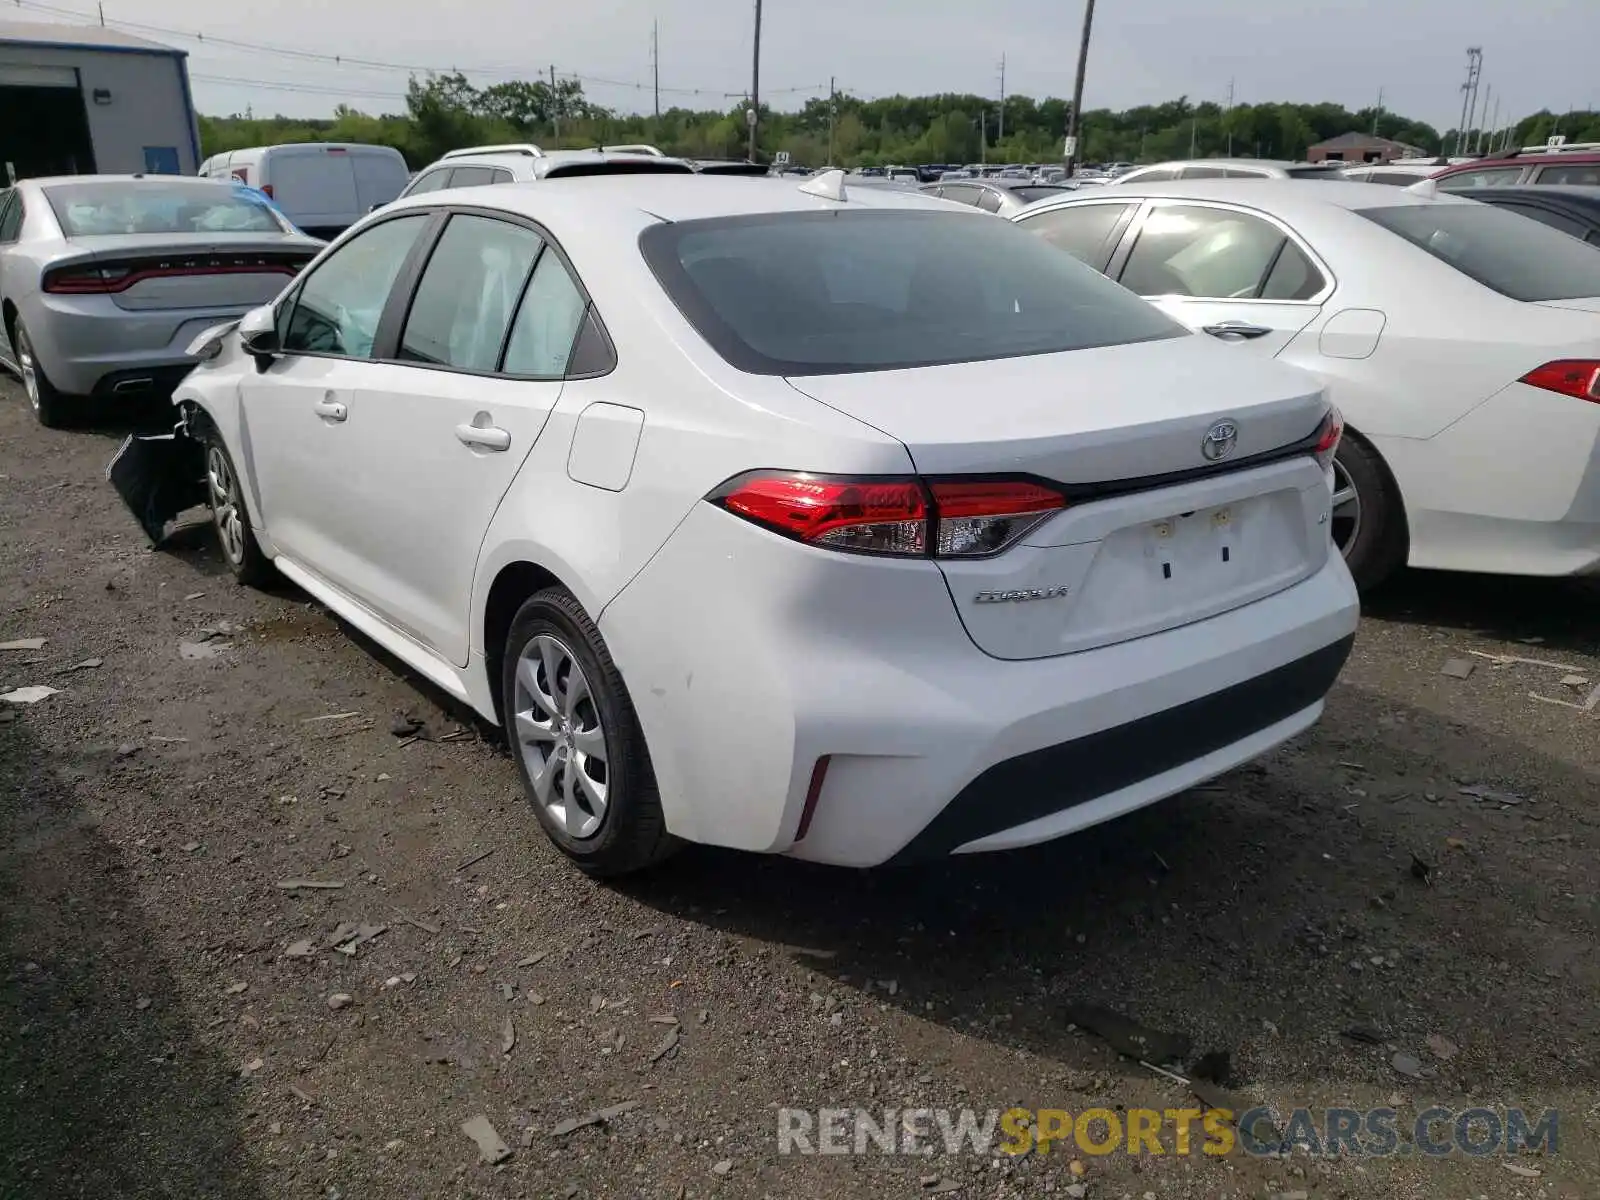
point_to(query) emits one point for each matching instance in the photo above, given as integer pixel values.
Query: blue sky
(1537, 53)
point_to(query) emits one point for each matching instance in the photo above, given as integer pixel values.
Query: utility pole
(755, 87)
(1194, 128)
(1225, 120)
(1001, 136)
(1074, 125)
(1474, 64)
(555, 103)
(1477, 142)
(833, 113)
(1377, 112)
(655, 62)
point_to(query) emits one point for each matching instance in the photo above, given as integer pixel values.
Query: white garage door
(20, 75)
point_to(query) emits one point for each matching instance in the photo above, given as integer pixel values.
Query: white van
(323, 187)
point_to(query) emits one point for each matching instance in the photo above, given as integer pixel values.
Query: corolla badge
(1021, 595)
(1219, 441)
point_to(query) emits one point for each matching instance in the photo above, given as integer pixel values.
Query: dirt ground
(156, 1040)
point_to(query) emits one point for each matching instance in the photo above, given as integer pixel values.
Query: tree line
(445, 112)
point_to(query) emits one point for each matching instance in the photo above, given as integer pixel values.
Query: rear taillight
(104, 278)
(1575, 377)
(83, 281)
(1328, 436)
(900, 516)
(266, 190)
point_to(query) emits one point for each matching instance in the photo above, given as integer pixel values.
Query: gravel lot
(155, 1040)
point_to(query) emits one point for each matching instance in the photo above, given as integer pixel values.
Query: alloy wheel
(560, 736)
(1346, 513)
(225, 508)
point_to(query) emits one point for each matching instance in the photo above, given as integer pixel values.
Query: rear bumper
(87, 345)
(749, 658)
(1063, 788)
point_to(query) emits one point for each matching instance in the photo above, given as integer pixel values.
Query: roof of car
(1276, 195)
(624, 198)
(153, 178)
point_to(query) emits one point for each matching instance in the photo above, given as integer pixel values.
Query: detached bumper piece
(158, 476)
(1057, 778)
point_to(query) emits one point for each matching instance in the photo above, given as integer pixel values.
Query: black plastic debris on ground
(158, 476)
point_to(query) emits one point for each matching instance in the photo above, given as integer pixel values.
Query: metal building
(77, 99)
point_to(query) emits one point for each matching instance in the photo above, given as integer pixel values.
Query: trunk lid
(143, 272)
(1155, 534)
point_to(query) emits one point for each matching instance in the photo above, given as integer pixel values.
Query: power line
(369, 64)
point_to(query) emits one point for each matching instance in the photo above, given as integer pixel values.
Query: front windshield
(149, 207)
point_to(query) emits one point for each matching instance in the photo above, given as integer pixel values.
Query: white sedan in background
(1461, 342)
(841, 525)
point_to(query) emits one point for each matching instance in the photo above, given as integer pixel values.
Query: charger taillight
(1328, 436)
(900, 516)
(1575, 377)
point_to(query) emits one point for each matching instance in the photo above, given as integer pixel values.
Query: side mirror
(258, 334)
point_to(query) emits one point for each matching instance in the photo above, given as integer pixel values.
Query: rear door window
(1579, 174)
(1216, 253)
(989, 200)
(429, 181)
(471, 177)
(1203, 173)
(1481, 177)
(961, 193)
(1082, 230)
(468, 291)
(1507, 253)
(547, 322)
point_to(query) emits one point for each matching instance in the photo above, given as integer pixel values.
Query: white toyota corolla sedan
(846, 526)
(1461, 342)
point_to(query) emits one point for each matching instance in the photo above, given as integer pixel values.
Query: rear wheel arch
(513, 584)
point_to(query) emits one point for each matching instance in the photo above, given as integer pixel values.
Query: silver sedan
(106, 280)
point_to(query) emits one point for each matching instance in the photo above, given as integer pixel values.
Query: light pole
(1073, 124)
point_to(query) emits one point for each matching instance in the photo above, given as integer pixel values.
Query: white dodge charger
(847, 526)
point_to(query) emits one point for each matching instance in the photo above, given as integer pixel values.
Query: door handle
(489, 437)
(330, 409)
(1236, 331)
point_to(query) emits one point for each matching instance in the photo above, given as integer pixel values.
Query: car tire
(1369, 523)
(577, 742)
(50, 407)
(230, 516)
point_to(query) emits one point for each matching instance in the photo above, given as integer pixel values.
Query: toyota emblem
(1219, 441)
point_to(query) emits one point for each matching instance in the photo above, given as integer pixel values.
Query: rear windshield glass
(1318, 173)
(133, 206)
(1516, 257)
(824, 293)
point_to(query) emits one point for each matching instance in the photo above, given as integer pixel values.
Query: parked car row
(683, 482)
